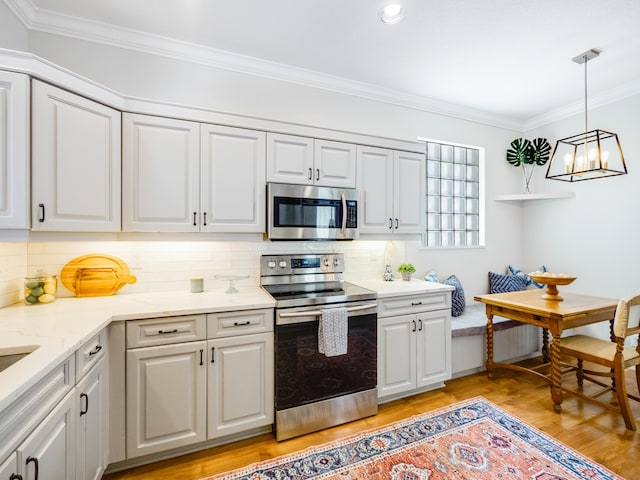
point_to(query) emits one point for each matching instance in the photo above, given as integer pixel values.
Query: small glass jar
(40, 288)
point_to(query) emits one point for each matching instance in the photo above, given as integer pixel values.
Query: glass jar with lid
(40, 288)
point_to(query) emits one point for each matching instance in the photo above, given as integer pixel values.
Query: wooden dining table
(553, 316)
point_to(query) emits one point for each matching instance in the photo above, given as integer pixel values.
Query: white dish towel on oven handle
(333, 332)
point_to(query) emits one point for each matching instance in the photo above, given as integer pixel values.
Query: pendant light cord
(586, 124)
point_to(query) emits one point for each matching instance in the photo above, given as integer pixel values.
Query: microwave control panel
(352, 214)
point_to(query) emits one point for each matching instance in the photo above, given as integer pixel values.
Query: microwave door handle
(344, 213)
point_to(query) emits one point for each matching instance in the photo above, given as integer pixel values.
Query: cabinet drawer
(89, 354)
(163, 331)
(244, 322)
(413, 303)
(17, 420)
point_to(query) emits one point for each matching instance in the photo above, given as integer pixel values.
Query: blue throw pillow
(432, 276)
(506, 283)
(525, 276)
(457, 296)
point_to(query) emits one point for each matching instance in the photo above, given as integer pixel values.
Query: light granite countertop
(401, 287)
(61, 327)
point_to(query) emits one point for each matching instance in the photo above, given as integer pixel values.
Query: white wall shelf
(534, 196)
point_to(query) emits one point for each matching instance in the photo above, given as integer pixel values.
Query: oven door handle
(307, 313)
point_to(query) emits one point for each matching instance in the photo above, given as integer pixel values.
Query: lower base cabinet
(166, 397)
(414, 344)
(9, 468)
(91, 411)
(240, 384)
(195, 378)
(49, 452)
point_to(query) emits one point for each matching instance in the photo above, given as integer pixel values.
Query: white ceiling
(506, 60)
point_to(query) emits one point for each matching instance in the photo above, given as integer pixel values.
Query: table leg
(556, 378)
(545, 345)
(489, 363)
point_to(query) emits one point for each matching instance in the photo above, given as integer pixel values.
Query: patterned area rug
(471, 440)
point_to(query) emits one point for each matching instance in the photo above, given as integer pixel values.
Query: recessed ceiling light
(392, 13)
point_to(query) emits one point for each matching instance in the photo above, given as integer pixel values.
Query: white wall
(594, 235)
(140, 75)
(13, 34)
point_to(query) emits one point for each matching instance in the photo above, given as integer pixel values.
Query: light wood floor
(594, 432)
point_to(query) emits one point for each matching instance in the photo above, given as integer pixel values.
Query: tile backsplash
(169, 265)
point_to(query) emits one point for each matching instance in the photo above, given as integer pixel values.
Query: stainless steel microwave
(300, 212)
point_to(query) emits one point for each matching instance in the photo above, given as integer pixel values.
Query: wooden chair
(611, 354)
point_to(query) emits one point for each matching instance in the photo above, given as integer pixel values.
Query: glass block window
(453, 196)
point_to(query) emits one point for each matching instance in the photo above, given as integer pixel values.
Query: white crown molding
(619, 93)
(98, 32)
(88, 30)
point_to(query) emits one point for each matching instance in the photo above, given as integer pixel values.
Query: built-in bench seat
(513, 341)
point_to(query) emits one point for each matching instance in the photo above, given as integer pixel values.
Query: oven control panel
(302, 264)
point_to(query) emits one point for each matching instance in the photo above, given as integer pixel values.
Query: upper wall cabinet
(181, 176)
(305, 161)
(14, 150)
(391, 186)
(232, 179)
(160, 174)
(75, 178)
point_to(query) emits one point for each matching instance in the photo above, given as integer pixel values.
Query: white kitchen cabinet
(14, 150)
(166, 397)
(414, 343)
(160, 174)
(392, 190)
(75, 162)
(241, 371)
(92, 411)
(181, 176)
(232, 179)
(240, 384)
(308, 161)
(9, 468)
(50, 450)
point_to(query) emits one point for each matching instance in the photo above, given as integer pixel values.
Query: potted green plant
(528, 153)
(406, 269)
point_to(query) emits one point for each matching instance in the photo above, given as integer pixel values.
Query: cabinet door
(409, 201)
(75, 150)
(14, 150)
(334, 164)
(232, 179)
(434, 347)
(51, 447)
(160, 174)
(9, 468)
(375, 184)
(91, 411)
(166, 397)
(289, 159)
(240, 383)
(396, 354)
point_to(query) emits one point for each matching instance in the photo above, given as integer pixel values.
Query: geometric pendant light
(589, 155)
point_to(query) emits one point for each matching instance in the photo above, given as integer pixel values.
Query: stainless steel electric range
(314, 391)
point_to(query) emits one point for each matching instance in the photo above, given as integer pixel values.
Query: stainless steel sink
(11, 355)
